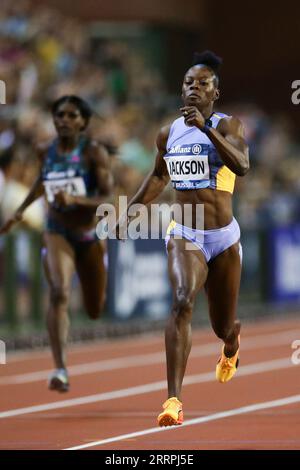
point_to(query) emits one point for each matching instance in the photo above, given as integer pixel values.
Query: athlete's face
(198, 88)
(68, 120)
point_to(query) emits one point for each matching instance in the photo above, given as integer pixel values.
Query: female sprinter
(201, 152)
(74, 177)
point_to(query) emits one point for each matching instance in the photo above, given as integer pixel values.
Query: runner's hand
(193, 117)
(62, 199)
(9, 224)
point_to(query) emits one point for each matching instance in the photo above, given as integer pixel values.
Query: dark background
(258, 40)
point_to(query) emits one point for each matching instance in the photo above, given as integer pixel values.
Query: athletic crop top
(192, 159)
(67, 172)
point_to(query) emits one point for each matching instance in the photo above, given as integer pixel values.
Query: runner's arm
(229, 140)
(156, 181)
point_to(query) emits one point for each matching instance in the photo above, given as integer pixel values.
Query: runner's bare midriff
(217, 207)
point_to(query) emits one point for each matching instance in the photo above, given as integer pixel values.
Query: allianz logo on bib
(194, 149)
(70, 173)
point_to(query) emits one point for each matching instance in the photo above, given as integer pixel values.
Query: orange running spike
(172, 414)
(227, 366)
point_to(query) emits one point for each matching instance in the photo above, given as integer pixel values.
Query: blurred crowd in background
(44, 55)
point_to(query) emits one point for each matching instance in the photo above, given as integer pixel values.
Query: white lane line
(191, 422)
(273, 324)
(266, 341)
(85, 347)
(249, 369)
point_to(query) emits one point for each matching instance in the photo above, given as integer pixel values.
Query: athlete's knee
(59, 295)
(183, 302)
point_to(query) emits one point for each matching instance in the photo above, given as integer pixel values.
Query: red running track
(118, 386)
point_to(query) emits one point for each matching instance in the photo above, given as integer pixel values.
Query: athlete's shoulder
(94, 145)
(218, 115)
(96, 151)
(162, 137)
(230, 124)
(224, 117)
(42, 148)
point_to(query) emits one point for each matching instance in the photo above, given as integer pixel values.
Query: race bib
(72, 186)
(188, 166)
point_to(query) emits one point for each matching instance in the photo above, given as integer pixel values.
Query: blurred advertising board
(283, 254)
(138, 284)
